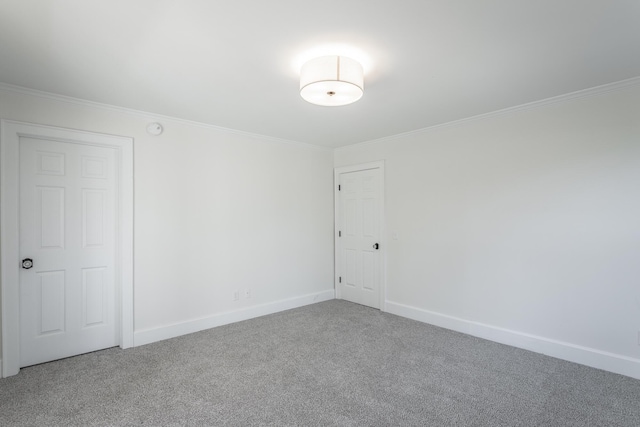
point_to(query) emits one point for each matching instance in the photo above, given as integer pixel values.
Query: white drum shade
(331, 81)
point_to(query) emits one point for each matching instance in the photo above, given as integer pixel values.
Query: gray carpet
(333, 363)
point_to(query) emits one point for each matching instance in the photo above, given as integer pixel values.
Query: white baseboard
(573, 353)
(148, 336)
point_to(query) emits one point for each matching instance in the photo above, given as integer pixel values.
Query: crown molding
(594, 91)
(583, 93)
(152, 116)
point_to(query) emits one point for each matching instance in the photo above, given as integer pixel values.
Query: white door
(67, 227)
(359, 232)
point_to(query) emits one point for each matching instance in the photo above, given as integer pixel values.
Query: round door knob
(376, 246)
(27, 263)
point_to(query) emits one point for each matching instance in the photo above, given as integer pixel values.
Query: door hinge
(339, 233)
(339, 188)
(340, 279)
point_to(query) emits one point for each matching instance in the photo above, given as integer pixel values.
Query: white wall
(215, 212)
(522, 227)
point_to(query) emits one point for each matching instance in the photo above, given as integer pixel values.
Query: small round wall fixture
(331, 81)
(154, 129)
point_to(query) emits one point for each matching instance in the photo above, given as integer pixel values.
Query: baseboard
(573, 353)
(148, 336)
(1, 369)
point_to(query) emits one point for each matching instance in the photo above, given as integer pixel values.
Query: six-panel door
(67, 226)
(360, 217)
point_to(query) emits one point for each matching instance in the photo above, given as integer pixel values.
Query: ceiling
(235, 64)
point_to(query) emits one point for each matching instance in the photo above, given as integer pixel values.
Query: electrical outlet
(247, 293)
(236, 295)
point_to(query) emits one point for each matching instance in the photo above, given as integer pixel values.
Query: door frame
(10, 134)
(336, 222)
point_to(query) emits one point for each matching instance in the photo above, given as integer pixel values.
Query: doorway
(359, 234)
(67, 243)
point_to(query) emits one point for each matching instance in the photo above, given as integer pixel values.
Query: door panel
(359, 214)
(50, 217)
(68, 199)
(93, 218)
(51, 301)
(94, 290)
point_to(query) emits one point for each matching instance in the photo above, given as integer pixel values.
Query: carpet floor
(327, 364)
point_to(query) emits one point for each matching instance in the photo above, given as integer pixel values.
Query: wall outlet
(236, 295)
(247, 293)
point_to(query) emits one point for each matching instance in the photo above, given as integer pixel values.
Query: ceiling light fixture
(331, 81)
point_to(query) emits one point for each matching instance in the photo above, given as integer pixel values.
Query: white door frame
(383, 243)
(11, 131)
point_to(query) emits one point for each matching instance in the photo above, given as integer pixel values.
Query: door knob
(27, 263)
(376, 246)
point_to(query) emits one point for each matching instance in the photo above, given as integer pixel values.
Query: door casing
(383, 244)
(10, 134)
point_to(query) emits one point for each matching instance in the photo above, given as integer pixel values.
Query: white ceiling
(234, 63)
